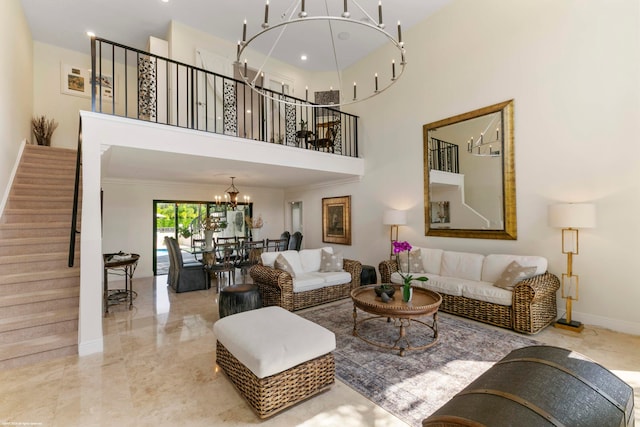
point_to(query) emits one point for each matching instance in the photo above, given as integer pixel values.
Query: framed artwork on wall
(75, 81)
(440, 213)
(336, 220)
(104, 85)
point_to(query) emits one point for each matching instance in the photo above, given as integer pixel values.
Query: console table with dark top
(423, 303)
(124, 266)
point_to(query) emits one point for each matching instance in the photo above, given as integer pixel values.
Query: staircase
(39, 293)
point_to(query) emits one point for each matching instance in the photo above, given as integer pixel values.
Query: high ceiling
(64, 23)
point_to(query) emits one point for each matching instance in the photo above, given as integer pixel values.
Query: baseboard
(90, 347)
(618, 325)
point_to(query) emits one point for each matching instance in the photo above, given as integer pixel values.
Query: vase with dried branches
(43, 129)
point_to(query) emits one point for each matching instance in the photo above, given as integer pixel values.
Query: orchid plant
(406, 278)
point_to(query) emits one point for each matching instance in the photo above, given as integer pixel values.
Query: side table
(124, 265)
(237, 298)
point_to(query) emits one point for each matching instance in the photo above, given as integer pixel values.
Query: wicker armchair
(276, 287)
(533, 308)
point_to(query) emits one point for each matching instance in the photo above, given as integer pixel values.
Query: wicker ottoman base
(270, 395)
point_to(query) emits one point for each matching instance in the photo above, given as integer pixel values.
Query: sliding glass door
(185, 221)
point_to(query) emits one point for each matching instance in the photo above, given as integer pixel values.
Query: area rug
(414, 386)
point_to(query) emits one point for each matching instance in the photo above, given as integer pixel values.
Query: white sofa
(300, 282)
(467, 283)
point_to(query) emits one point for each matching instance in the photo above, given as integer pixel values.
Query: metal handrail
(203, 100)
(443, 156)
(76, 193)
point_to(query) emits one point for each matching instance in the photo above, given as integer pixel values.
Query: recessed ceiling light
(165, 1)
(91, 34)
(303, 57)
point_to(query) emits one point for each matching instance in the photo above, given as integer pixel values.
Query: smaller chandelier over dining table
(232, 193)
(342, 32)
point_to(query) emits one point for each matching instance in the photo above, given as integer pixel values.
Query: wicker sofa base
(534, 303)
(276, 287)
(530, 319)
(300, 300)
(270, 395)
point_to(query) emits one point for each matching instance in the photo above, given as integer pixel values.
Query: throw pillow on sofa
(330, 262)
(282, 264)
(513, 274)
(411, 263)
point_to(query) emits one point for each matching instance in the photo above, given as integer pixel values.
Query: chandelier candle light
(340, 25)
(407, 292)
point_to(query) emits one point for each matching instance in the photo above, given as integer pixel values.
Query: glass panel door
(186, 221)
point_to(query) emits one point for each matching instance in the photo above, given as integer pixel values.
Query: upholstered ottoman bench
(274, 358)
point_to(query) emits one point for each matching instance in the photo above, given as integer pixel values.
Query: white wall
(16, 85)
(48, 98)
(133, 201)
(572, 68)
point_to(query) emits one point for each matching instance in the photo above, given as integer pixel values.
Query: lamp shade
(572, 215)
(394, 217)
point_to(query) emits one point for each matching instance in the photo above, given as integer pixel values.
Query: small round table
(423, 303)
(237, 298)
(126, 263)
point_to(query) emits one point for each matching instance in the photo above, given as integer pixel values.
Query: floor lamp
(394, 218)
(570, 217)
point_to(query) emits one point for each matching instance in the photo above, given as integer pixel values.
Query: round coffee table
(404, 314)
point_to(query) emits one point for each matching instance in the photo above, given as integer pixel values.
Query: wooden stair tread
(38, 345)
(44, 200)
(40, 225)
(43, 186)
(37, 319)
(38, 296)
(33, 276)
(35, 240)
(25, 258)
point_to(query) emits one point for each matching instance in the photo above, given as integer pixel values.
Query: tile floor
(158, 369)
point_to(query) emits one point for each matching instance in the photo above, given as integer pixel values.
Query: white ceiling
(130, 22)
(136, 164)
(64, 23)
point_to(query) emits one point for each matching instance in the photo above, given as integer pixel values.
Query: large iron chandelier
(364, 87)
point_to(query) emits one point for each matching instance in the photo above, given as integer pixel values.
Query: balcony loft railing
(143, 86)
(443, 156)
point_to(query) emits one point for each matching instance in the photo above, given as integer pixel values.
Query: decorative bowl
(389, 290)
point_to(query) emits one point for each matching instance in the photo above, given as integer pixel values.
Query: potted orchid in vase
(406, 278)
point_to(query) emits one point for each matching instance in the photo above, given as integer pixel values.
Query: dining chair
(183, 277)
(248, 256)
(221, 262)
(276, 245)
(295, 241)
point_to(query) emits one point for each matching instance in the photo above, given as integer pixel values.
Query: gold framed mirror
(469, 175)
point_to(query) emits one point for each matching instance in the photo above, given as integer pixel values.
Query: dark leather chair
(295, 241)
(184, 277)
